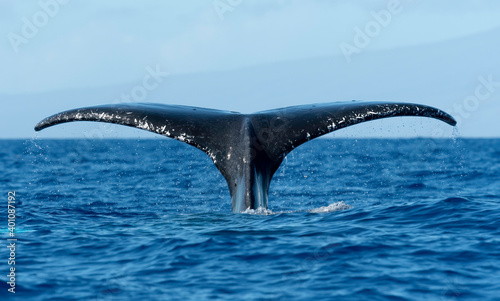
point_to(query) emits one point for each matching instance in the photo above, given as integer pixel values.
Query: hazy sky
(89, 43)
(51, 45)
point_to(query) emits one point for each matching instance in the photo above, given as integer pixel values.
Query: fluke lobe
(246, 148)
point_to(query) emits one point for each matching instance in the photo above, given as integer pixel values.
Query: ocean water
(368, 219)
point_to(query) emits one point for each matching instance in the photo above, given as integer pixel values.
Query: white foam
(331, 208)
(258, 211)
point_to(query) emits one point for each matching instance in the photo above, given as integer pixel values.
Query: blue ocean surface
(367, 219)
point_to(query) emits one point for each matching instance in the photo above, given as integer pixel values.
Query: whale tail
(246, 148)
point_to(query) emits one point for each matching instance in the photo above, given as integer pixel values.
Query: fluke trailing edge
(246, 148)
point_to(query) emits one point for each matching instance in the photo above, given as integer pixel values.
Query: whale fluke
(246, 148)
